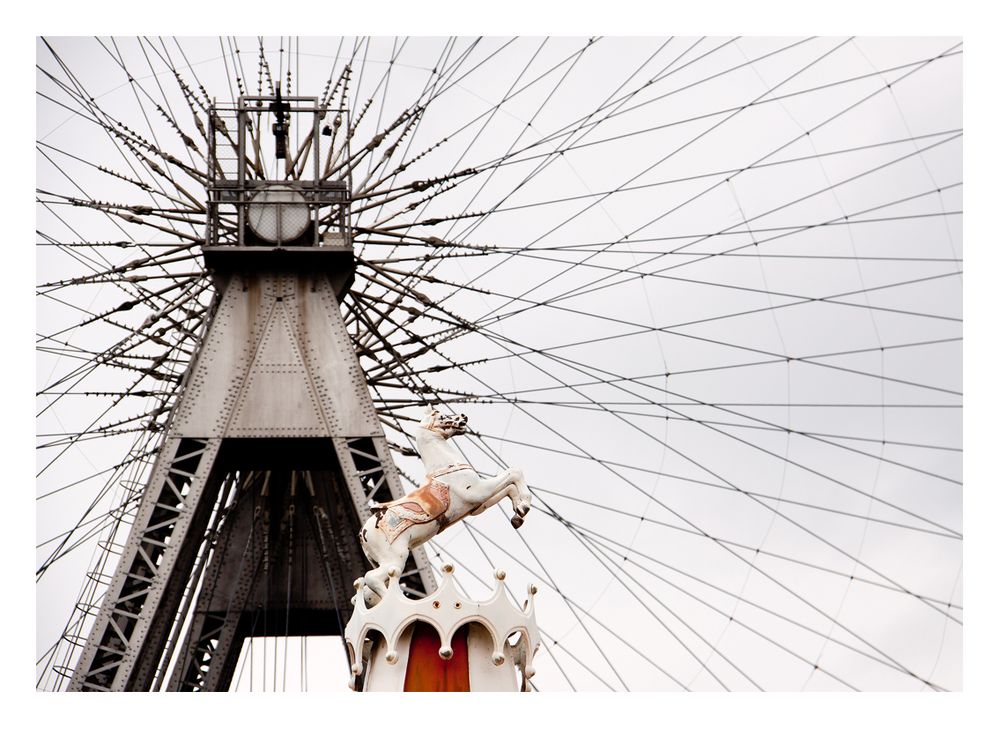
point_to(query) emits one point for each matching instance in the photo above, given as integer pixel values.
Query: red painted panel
(427, 671)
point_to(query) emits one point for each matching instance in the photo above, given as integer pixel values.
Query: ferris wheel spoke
(616, 575)
(766, 423)
(830, 188)
(708, 175)
(820, 437)
(608, 377)
(486, 118)
(589, 370)
(774, 151)
(583, 124)
(193, 102)
(116, 400)
(115, 513)
(132, 459)
(117, 274)
(774, 98)
(117, 132)
(784, 359)
(761, 571)
(493, 336)
(510, 95)
(373, 189)
(550, 95)
(136, 213)
(383, 87)
(630, 557)
(757, 550)
(395, 356)
(834, 299)
(117, 355)
(697, 137)
(75, 379)
(759, 502)
(752, 564)
(133, 181)
(416, 109)
(786, 230)
(133, 143)
(101, 265)
(166, 113)
(757, 424)
(602, 284)
(744, 442)
(113, 357)
(544, 580)
(73, 439)
(62, 549)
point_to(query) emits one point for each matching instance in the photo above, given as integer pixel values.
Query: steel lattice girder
(275, 387)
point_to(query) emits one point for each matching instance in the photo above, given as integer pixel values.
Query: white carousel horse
(452, 491)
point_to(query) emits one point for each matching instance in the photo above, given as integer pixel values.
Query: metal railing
(247, 207)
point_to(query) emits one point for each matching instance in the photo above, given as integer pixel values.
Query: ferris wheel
(705, 292)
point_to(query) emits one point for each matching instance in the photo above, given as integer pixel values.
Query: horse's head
(444, 425)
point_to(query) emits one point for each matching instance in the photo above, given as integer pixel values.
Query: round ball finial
(446, 653)
(356, 670)
(498, 659)
(533, 589)
(500, 575)
(391, 657)
(448, 568)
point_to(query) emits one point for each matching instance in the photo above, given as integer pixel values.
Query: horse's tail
(363, 538)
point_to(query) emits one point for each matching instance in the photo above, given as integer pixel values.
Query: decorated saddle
(429, 502)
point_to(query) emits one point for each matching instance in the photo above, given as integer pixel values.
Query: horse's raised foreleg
(493, 501)
(507, 485)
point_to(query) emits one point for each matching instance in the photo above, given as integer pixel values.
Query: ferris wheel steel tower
(274, 449)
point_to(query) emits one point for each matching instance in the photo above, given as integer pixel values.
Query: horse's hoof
(516, 522)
